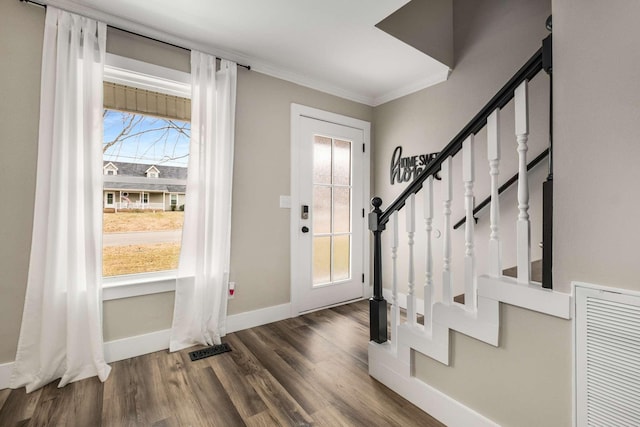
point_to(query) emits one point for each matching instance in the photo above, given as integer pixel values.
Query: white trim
(110, 167)
(411, 88)
(257, 65)
(483, 323)
(138, 345)
(5, 375)
(130, 72)
(603, 288)
(263, 316)
(532, 296)
(386, 368)
(306, 81)
(298, 111)
(133, 285)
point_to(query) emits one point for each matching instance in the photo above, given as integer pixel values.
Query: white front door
(327, 217)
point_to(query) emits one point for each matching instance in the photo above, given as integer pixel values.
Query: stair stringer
(391, 363)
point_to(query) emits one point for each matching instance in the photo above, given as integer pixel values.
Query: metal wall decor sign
(405, 169)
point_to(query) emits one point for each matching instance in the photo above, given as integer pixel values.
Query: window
(110, 169)
(146, 135)
(153, 172)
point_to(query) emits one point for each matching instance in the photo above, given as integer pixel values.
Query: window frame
(131, 72)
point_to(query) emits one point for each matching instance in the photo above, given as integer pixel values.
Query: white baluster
(493, 155)
(395, 309)
(447, 190)
(523, 227)
(427, 186)
(468, 177)
(410, 207)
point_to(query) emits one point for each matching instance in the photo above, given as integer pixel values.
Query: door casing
(298, 111)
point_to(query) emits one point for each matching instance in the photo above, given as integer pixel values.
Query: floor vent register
(209, 351)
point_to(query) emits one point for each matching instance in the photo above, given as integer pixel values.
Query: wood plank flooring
(306, 371)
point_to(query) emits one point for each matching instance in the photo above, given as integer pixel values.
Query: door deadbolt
(304, 212)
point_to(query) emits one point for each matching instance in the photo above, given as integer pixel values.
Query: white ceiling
(330, 45)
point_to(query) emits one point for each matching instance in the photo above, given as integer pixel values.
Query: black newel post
(377, 304)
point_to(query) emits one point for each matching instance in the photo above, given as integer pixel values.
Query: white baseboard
(5, 374)
(263, 316)
(136, 346)
(395, 374)
(113, 351)
(156, 341)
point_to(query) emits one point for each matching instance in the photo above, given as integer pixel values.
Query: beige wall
(597, 111)
(260, 233)
(525, 382)
(21, 34)
(527, 379)
(260, 229)
(138, 315)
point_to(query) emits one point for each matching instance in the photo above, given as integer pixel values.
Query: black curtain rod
(34, 2)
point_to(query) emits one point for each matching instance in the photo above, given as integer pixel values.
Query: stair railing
(516, 87)
(508, 183)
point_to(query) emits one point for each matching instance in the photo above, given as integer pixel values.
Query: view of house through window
(145, 162)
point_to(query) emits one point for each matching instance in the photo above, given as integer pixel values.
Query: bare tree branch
(149, 136)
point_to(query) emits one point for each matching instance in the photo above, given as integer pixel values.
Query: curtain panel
(61, 331)
(203, 270)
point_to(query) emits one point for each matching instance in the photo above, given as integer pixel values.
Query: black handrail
(502, 98)
(378, 219)
(503, 187)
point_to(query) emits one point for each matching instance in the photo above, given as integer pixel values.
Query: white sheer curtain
(203, 272)
(61, 333)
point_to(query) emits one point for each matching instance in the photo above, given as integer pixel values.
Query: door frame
(297, 112)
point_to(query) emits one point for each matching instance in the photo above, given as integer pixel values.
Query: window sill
(134, 285)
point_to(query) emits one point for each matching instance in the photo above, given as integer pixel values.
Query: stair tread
(536, 271)
(536, 276)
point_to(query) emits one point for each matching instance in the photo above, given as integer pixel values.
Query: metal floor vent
(209, 351)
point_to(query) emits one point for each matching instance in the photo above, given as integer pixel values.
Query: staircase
(477, 312)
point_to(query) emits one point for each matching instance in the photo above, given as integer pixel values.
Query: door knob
(305, 229)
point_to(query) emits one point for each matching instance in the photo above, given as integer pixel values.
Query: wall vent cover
(607, 357)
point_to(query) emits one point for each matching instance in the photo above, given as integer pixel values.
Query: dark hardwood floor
(311, 370)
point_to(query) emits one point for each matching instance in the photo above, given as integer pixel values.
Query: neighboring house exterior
(143, 186)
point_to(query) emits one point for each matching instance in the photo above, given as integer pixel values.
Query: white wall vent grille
(607, 358)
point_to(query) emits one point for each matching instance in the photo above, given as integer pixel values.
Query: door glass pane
(341, 210)
(331, 210)
(341, 162)
(321, 260)
(321, 209)
(341, 257)
(321, 160)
